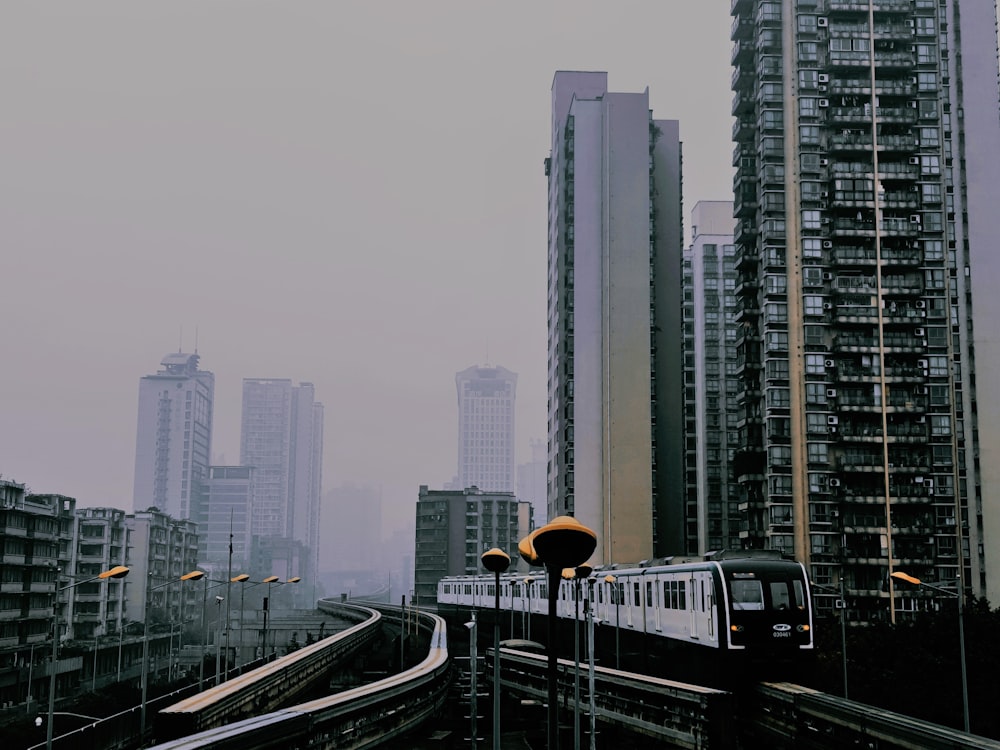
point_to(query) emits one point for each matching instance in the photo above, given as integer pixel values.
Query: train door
(658, 604)
(706, 592)
(691, 583)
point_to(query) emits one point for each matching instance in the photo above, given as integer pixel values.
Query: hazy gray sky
(347, 193)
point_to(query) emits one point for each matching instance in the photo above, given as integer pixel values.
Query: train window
(747, 594)
(682, 595)
(800, 598)
(636, 593)
(779, 595)
(649, 593)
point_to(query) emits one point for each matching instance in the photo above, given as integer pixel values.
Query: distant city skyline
(333, 193)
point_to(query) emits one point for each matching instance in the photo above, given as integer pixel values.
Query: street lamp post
(564, 542)
(473, 657)
(576, 575)
(613, 589)
(218, 639)
(194, 575)
(842, 606)
(119, 571)
(241, 579)
(267, 603)
(588, 606)
(527, 607)
(960, 595)
(496, 561)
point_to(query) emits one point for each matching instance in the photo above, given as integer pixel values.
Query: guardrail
(270, 686)
(381, 711)
(782, 715)
(685, 716)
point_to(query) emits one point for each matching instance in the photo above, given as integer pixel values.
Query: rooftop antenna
(487, 351)
(196, 339)
(180, 340)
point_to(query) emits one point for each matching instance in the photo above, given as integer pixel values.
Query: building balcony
(742, 26)
(16, 531)
(748, 312)
(861, 6)
(743, 51)
(743, 102)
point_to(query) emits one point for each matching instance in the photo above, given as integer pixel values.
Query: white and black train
(731, 616)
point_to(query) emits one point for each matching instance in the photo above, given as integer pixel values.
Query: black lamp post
(496, 561)
(119, 571)
(564, 542)
(960, 595)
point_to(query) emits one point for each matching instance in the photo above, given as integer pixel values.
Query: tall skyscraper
(486, 428)
(174, 436)
(615, 455)
(709, 272)
(281, 437)
(867, 147)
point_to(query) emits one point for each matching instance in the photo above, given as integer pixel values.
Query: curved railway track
(357, 718)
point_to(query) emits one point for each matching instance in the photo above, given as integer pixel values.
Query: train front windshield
(768, 610)
(749, 594)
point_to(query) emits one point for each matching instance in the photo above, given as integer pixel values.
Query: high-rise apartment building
(710, 384)
(161, 550)
(455, 527)
(532, 484)
(173, 436)
(36, 550)
(282, 439)
(486, 428)
(225, 518)
(867, 146)
(615, 411)
(101, 543)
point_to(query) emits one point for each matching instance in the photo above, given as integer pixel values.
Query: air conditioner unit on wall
(831, 392)
(822, 22)
(832, 419)
(834, 482)
(824, 102)
(830, 363)
(824, 78)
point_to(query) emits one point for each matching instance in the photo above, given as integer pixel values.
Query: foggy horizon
(350, 195)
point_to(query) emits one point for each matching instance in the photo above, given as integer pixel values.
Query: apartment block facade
(281, 437)
(712, 515)
(455, 527)
(486, 401)
(866, 148)
(615, 409)
(173, 440)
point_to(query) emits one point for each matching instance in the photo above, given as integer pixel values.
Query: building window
(815, 364)
(811, 219)
(940, 425)
(816, 453)
(809, 135)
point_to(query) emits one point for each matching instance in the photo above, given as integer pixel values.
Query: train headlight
(802, 628)
(736, 628)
